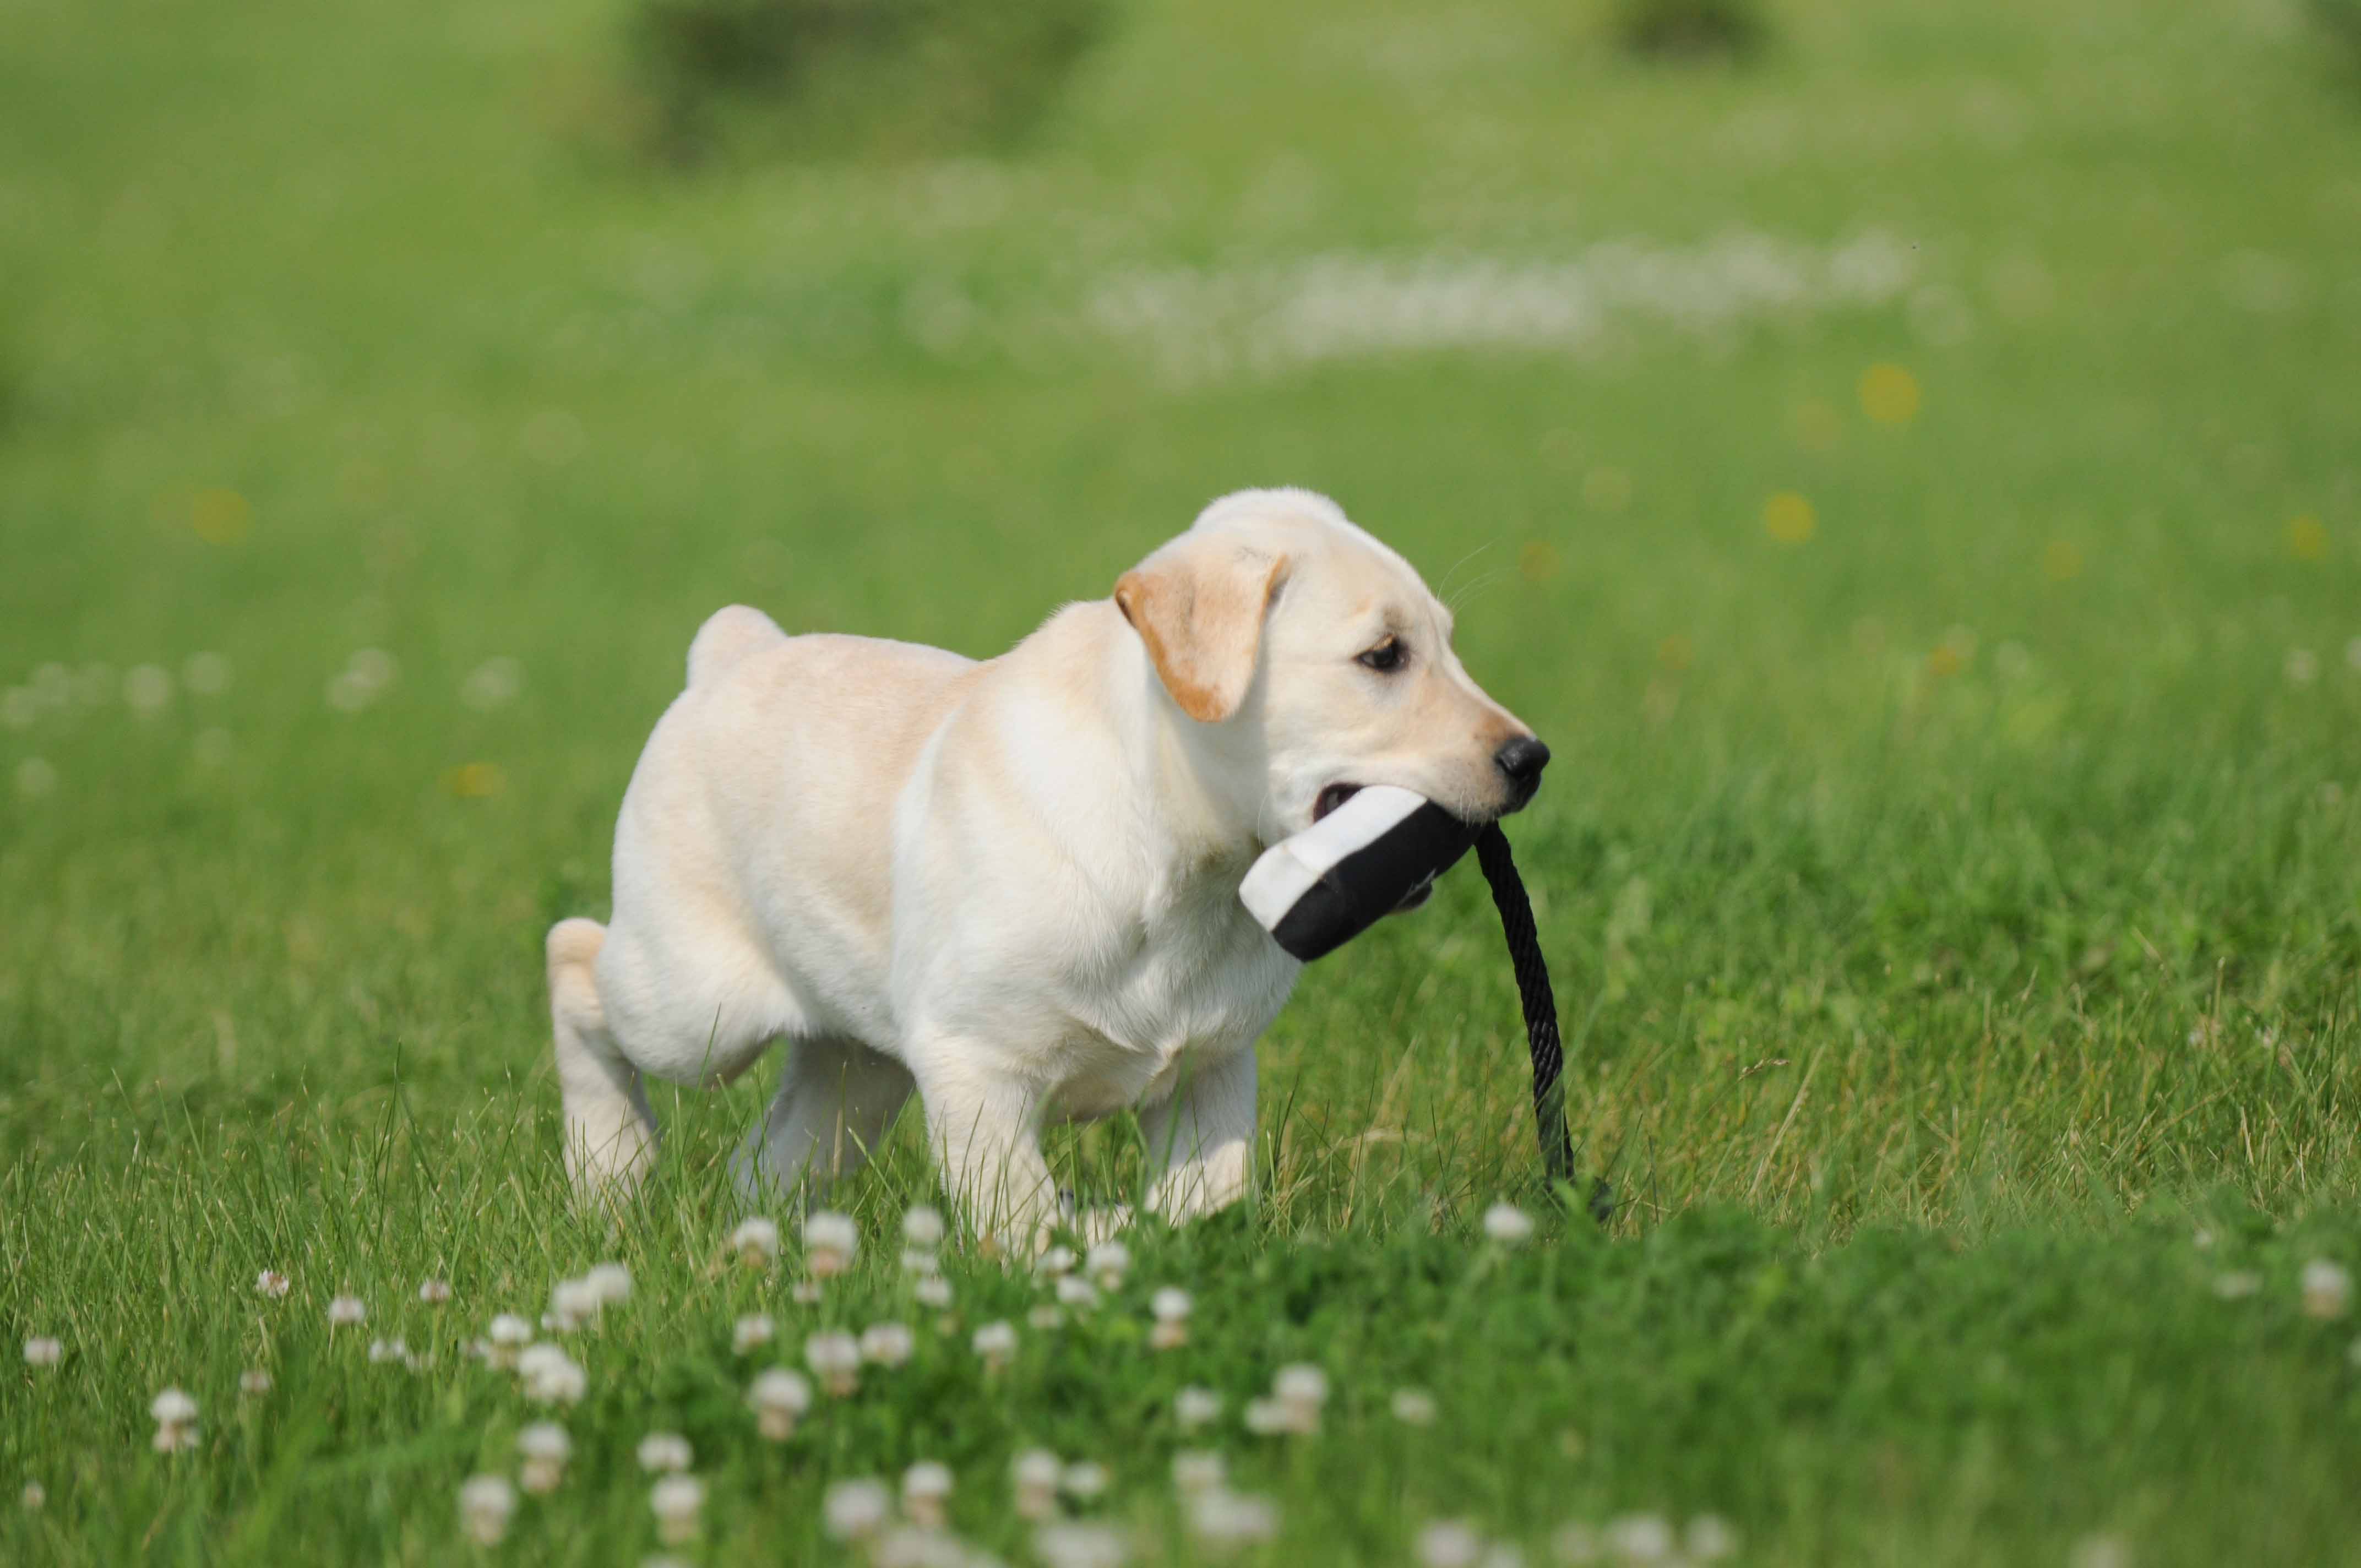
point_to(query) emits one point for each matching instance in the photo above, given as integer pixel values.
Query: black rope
(1541, 1014)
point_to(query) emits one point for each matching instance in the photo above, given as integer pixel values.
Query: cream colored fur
(1011, 885)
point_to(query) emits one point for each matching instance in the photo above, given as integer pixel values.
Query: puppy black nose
(1522, 760)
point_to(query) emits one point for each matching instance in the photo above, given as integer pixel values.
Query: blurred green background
(1903, 457)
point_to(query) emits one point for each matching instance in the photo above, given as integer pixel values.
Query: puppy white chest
(1193, 992)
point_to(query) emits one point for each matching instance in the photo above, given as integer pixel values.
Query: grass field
(1912, 481)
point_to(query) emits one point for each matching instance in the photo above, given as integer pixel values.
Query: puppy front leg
(985, 1131)
(1203, 1139)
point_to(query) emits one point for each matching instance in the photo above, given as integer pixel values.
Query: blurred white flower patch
(1207, 324)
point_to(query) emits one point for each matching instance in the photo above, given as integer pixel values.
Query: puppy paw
(1096, 1225)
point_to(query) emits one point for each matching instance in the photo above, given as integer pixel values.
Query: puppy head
(1277, 625)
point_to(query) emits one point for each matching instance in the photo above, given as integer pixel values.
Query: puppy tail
(727, 637)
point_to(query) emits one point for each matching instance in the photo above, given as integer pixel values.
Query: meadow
(1911, 479)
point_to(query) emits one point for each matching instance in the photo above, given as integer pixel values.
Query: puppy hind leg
(610, 1132)
(836, 1100)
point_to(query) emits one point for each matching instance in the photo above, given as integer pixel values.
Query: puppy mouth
(1329, 799)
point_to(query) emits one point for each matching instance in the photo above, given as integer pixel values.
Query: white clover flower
(1413, 1407)
(1107, 1263)
(1037, 1472)
(996, 1343)
(779, 1398)
(1299, 1391)
(1170, 1306)
(836, 1360)
(33, 1497)
(551, 1377)
(1639, 1537)
(1501, 1554)
(887, 1344)
(830, 1243)
(1054, 1264)
(1046, 1317)
(176, 1422)
(1077, 1292)
(271, 1283)
(925, 1494)
(1267, 1418)
(346, 1311)
(1576, 1544)
(665, 1452)
(751, 1331)
(147, 689)
(347, 693)
(43, 1351)
(919, 1261)
(756, 1242)
(676, 1501)
(510, 1334)
(856, 1510)
(434, 1292)
(206, 675)
(2327, 1289)
(1508, 1225)
(254, 1382)
(807, 1292)
(486, 1505)
(909, 1546)
(932, 1291)
(1198, 1470)
(1225, 1521)
(2101, 1552)
(1085, 1480)
(609, 1282)
(545, 1448)
(375, 667)
(493, 683)
(1193, 1408)
(1709, 1539)
(923, 1227)
(572, 1303)
(1069, 1544)
(535, 1359)
(2238, 1285)
(1449, 1543)
(385, 1350)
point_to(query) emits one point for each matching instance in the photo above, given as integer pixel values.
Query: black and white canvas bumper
(1318, 889)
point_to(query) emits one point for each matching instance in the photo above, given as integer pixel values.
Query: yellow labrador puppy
(1013, 884)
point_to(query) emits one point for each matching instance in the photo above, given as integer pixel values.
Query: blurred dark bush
(2341, 19)
(857, 76)
(1691, 29)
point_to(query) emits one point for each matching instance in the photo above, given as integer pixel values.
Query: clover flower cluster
(909, 1521)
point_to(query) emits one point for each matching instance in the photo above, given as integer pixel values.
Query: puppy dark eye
(1386, 656)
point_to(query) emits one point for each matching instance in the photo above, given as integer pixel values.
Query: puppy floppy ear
(1197, 604)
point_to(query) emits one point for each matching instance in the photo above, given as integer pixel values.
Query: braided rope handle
(1540, 1004)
